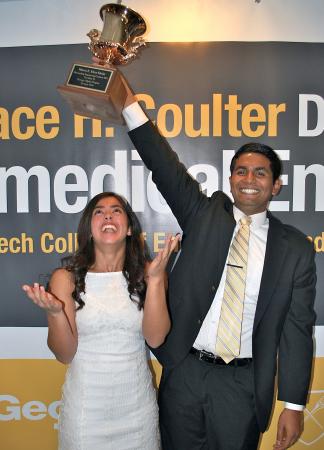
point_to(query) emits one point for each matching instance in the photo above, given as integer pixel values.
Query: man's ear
(276, 186)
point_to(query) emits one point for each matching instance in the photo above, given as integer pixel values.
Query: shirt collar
(258, 219)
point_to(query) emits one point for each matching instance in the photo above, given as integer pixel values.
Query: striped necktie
(228, 340)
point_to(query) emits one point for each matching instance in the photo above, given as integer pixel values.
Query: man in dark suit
(205, 402)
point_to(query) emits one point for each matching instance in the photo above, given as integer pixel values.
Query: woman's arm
(156, 320)
(60, 308)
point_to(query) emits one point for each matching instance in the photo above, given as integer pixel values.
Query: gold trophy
(96, 91)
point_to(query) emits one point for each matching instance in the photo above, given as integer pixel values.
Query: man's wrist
(134, 116)
(294, 407)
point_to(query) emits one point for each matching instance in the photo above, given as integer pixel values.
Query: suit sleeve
(179, 189)
(296, 342)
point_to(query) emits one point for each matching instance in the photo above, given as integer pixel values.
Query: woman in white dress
(101, 308)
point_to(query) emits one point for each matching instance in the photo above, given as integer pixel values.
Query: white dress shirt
(206, 339)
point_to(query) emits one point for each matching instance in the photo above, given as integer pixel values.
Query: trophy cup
(97, 91)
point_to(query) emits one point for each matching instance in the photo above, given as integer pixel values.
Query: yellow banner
(30, 394)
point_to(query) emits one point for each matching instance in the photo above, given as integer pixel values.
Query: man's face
(252, 183)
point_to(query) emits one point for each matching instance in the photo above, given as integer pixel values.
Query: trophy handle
(120, 40)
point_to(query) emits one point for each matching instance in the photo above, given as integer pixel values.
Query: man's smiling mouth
(249, 191)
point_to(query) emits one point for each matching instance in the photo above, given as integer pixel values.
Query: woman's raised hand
(43, 299)
(158, 265)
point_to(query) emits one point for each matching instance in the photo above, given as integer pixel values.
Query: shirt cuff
(294, 406)
(134, 116)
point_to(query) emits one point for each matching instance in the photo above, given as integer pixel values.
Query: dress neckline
(105, 273)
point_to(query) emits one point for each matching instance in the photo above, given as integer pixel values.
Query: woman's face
(109, 222)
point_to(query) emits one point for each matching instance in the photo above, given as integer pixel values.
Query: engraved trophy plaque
(97, 91)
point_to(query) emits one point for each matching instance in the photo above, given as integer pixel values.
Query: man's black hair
(268, 152)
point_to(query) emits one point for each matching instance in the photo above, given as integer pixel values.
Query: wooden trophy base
(95, 91)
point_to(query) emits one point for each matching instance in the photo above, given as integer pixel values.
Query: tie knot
(246, 220)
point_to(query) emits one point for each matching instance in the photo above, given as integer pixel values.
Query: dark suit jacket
(284, 315)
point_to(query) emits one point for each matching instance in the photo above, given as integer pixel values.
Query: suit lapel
(275, 254)
(224, 235)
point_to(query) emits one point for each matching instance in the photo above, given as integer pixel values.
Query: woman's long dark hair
(137, 253)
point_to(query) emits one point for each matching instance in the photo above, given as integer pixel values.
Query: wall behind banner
(207, 98)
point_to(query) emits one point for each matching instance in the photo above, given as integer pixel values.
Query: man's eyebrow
(254, 168)
(262, 168)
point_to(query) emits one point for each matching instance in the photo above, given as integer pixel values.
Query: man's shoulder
(293, 234)
(222, 198)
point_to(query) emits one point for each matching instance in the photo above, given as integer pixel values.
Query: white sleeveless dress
(109, 402)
